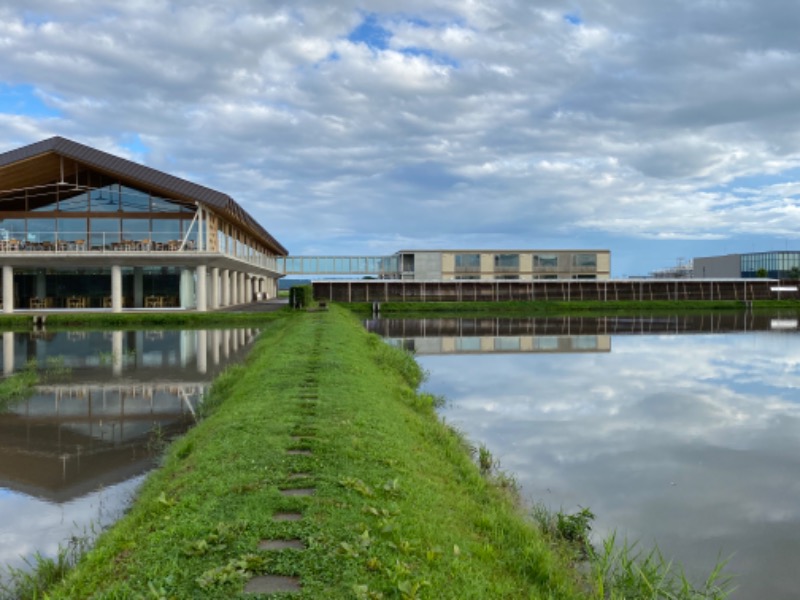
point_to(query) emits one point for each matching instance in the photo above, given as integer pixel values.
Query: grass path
(321, 446)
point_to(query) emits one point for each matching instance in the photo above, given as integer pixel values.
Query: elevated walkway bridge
(382, 267)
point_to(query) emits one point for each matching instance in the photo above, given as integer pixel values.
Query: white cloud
(631, 123)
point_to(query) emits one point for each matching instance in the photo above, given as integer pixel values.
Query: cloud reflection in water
(692, 441)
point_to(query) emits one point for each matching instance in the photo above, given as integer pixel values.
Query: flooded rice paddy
(678, 431)
(73, 453)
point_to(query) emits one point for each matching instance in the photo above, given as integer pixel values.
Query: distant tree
(762, 272)
(794, 273)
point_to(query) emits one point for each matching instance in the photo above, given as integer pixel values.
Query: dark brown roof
(126, 169)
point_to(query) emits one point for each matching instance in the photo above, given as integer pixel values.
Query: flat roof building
(501, 264)
(81, 228)
(776, 265)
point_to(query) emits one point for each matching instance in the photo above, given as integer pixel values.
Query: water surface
(688, 437)
(73, 453)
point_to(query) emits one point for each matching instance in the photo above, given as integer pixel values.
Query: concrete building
(81, 228)
(776, 265)
(449, 265)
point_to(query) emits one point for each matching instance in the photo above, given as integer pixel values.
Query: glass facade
(468, 262)
(545, 260)
(584, 260)
(776, 265)
(506, 262)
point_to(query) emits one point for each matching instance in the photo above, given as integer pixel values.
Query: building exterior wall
(428, 265)
(492, 265)
(710, 267)
(118, 241)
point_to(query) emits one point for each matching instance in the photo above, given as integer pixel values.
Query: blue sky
(661, 131)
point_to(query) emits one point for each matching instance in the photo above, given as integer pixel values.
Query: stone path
(298, 482)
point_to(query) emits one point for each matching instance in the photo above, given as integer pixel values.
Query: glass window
(468, 262)
(545, 260)
(105, 199)
(506, 262)
(506, 343)
(79, 202)
(41, 230)
(70, 230)
(468, 344)
(103, 233)
(132, 200)
(12, 229)
(135, 230)
(166, 230)
(507, 277)
(584, 260)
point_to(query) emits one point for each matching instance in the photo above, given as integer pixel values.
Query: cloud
(437, 119)
(688, 441)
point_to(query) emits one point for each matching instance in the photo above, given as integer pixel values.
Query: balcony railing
(101, 243)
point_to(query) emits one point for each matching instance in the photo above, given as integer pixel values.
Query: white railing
(106, 243)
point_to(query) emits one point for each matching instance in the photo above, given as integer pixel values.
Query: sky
(658, 130)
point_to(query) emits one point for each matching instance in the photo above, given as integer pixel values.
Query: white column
(202, 294)
(116, 352)
(8, 353)
(116, 288)
(225, 279)
(138, 287)
(234, 287)
(202, 351)
(8, 289)
(216, 340)
(214, 288)
(242, 292)
(187, 288)
(249, 287)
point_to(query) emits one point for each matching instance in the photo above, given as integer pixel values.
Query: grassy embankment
(399, 510)
(583, 307)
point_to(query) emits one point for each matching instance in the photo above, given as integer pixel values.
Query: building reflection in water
(567, 334)
(107, 402)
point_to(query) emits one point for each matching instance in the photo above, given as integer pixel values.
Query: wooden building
(81, 228)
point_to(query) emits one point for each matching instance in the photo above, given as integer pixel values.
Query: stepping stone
(282, 545)
(298, 492)
(293, 476)
(287, 516)
(300, 452)
(273, 584)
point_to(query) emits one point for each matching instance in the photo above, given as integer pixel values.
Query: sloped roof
(152, 178)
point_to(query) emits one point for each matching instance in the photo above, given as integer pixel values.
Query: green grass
(403, 506)
(18, 386)
(400, 509)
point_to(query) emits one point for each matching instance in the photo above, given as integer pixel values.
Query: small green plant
(486, 462)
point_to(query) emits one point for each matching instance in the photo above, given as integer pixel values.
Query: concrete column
(8, 289)
(116, 352)
(202, 294)
(187, 288)
(202, 351)
(138, 287)
(41, 284)
(234, 288)
(216, 340)
(214, 288)
(116, 288)
(249, 288)
(242, 291)
(225, 282)
(8, 353)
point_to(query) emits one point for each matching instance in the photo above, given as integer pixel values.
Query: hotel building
(81, 228)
